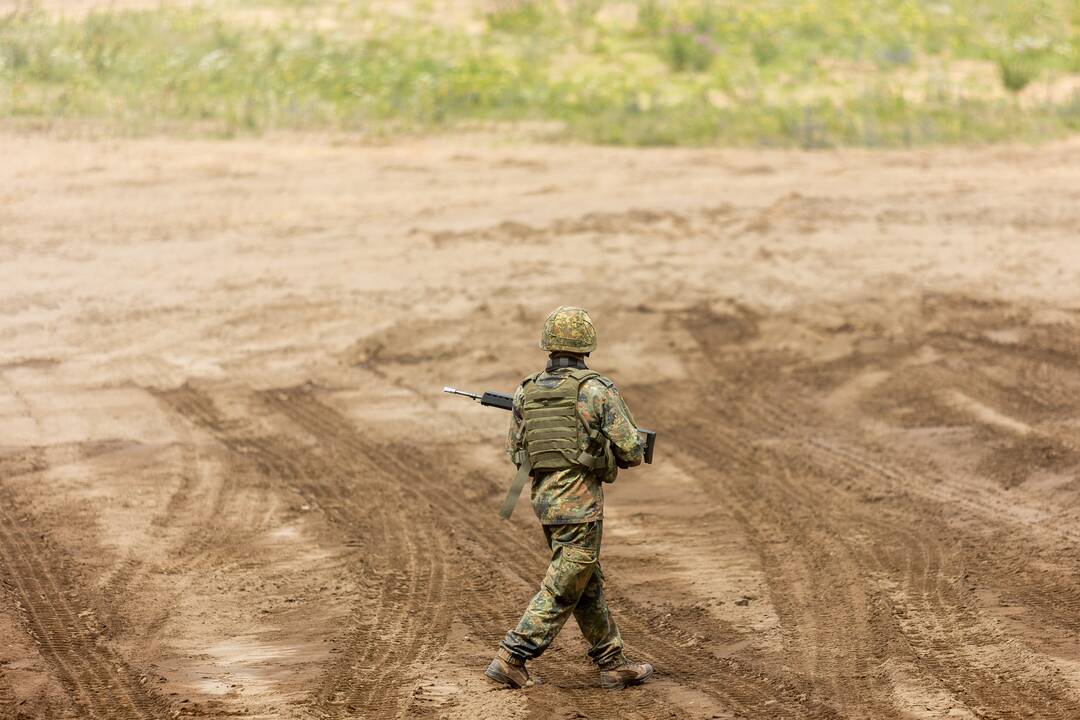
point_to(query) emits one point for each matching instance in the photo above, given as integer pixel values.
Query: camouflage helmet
(568, 329)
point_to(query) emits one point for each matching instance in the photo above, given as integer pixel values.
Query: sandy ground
(230, 485)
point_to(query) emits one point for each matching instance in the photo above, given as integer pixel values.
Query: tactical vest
(552, 435)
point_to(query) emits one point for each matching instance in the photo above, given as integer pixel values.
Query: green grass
(789, 73)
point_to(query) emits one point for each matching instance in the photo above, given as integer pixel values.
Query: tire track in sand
(831, 622)
(99, 683)
(374, 671)
(7, 698)
(763, 437)
(936, 615)
(216, 534)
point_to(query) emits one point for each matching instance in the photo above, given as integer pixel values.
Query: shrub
(1017, 70)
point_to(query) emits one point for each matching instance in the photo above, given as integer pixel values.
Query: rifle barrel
(455, 391)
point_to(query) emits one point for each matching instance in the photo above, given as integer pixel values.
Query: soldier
(571, 431)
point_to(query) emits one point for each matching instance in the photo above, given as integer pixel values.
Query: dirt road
(230, 486)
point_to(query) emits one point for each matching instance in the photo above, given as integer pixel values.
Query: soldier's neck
(566, 360)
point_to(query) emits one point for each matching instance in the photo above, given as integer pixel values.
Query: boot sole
(620, 684)
(498, 677)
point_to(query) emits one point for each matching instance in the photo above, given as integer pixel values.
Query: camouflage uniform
(570, 506)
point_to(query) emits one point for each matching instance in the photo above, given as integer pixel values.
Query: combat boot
(624, 673)
(509, 670)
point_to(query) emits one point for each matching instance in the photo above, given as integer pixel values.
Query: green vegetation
(779, 72)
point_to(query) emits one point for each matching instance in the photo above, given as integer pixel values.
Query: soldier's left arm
(619, 427)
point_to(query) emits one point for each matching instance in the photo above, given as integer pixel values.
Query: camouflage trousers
(574, 584)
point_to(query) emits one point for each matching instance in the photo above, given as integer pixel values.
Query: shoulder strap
(583, 375)
(531, 378)
(516, 486)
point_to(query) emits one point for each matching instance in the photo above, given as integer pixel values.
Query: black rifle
(506, 402)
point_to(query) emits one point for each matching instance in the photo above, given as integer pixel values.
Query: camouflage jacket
(576, 495)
